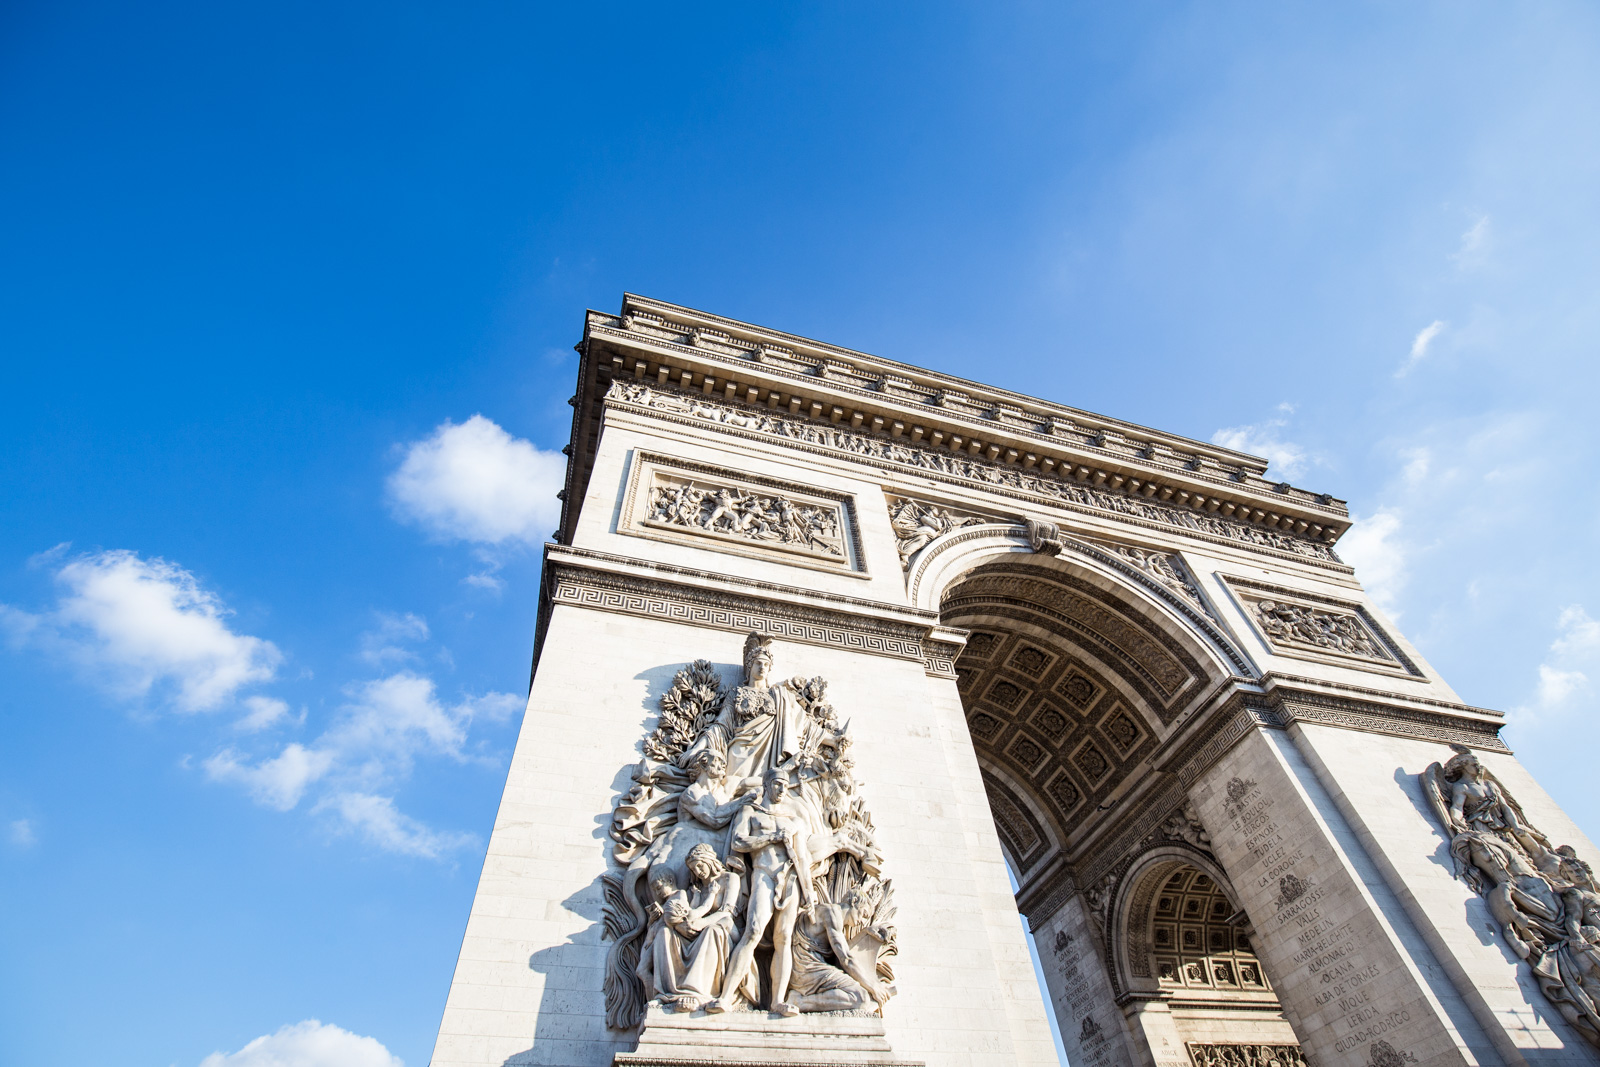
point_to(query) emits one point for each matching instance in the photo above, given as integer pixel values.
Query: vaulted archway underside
(1069, 683)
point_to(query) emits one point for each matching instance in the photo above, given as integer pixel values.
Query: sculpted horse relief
(749, 877)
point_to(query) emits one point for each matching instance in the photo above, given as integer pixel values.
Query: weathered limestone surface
(1169, 674)
(528, 988)
(1346, 961)
(1374, 781)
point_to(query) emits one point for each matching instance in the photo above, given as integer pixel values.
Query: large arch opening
(1077, 666)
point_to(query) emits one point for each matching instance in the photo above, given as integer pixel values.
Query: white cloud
(1263, 439)
(1580, 635)
(380, 822)
(144, 624)
(1418, 462)
(308, 1044)
(1474, 248)
(493, 707)
(373, 742)
(386, 642)
(1420, 345)
(1556, 686)
(473, 481)
(264, 712)
(277, 783)
(1569, 661)
(391, 719)
(1373, 547)
(21, 833)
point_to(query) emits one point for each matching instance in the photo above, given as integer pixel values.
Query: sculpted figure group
(749, 876)
(747, 515)
(884, 448)
(1339, 633)
(1543, 897)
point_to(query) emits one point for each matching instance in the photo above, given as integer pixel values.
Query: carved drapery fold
(745, 825)
(1543, 897)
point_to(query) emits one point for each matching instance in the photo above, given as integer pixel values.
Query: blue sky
(273, 277)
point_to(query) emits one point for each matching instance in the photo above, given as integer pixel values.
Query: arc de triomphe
(826, 642)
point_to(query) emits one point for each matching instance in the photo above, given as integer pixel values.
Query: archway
(1078, 665)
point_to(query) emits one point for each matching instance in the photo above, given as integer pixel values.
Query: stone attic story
(827, 643)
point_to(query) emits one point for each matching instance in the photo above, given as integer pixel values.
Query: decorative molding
(706, 506)
(966, 469)
(1133, 575)
(916, 523)
(1242, 713)
(1019, 827)
(1149, 658)
(1208, 1054)
(1165, 567)
(1373, 718)
(1280, 707)
(698, 598)
(1320, 628)
(898, 390)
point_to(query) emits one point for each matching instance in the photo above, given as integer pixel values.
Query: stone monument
(827, 643)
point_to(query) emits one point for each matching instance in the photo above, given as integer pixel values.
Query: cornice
(622, 585)
(1278, 701)
(662, 341)
(991, 476)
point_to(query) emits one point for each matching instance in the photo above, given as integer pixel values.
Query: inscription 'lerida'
(745, 833)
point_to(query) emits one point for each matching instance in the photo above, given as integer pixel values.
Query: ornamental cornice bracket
(1044, 537)
(848, 379)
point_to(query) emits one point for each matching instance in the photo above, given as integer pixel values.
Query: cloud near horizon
(311, 1043)
(147, 628)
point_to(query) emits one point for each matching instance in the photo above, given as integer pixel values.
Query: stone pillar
(1156, 1035)
(1376, 782)
(1094, 1032)
(1355, 979)
(529, 987)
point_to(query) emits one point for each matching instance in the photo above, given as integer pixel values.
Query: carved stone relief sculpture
(916, 523)
(1543, 897)
(729, 511)
(1164, 567)
(1205, 1054)
(750, 877)
(688, 502)
(1308, 626)
(969, 469)
(1292, 624)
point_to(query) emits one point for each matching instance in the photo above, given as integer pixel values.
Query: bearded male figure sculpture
(748, 796)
